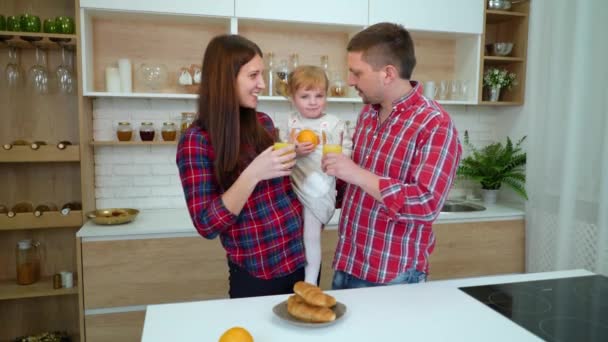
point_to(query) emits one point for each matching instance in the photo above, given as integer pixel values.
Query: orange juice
(332, 148)
(280, 145)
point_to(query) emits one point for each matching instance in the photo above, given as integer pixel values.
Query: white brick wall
(146, 177)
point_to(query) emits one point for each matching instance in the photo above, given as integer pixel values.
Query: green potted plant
(496, 79)
(494, 165)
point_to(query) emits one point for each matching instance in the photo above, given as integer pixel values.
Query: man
(405, 155)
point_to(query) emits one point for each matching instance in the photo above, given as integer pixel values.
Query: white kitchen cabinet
(344, 12)
(462, 16)
(189, 7)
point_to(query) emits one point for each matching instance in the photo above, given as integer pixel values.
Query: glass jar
(338, 88)
(187, 120)
(168, 131)
(28, 262)
(146, 131)
(124, 132)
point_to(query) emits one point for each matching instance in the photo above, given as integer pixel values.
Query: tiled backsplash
(146, 177)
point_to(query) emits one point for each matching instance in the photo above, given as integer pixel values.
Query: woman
(235, 185)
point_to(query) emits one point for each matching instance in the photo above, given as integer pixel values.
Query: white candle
(124, 68)
(112, 80)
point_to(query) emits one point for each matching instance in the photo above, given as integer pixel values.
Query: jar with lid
(124, 132)
(168, 131)
(28, 262)
(146, 131)
(187, 120)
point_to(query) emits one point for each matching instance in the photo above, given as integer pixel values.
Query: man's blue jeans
(344, 280)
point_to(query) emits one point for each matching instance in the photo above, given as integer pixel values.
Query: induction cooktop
(557, 310)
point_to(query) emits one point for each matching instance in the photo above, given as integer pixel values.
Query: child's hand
(304, 149)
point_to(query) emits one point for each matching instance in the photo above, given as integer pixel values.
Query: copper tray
(111, 216)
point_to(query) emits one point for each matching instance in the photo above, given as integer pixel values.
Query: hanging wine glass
(38, 79)
(13, 72)
(64, 73)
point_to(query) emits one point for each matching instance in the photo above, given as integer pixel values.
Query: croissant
(297, 307)
(313, 295)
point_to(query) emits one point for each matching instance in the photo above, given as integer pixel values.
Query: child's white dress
(314, 188)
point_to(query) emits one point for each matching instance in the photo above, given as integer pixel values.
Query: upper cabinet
(344, 12)
(462, 16)
(198, 7)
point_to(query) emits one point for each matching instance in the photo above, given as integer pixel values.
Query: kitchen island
(432, 311)
(160, 258)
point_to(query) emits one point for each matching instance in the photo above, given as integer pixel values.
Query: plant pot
(494, 94)
(489, 196)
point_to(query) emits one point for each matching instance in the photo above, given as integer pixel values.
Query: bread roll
(297, 307)
(313, 295)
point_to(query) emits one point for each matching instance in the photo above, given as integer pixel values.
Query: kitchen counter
(176, 223)
(433, 311)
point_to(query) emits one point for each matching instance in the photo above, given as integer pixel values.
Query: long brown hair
(230, 127)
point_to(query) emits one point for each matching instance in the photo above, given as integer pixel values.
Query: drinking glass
(64, 73)
(38, 78)
(13, 72)
(332, 140)
(444, 89)
(455, 89)
(284, 136)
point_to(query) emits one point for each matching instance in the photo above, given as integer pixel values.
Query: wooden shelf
(45, 154)
(502, 60)
(133, 143)
(496, 16)
(501, 103)
(9, 289)
(100, 94)
(50, 219)
(47, 40)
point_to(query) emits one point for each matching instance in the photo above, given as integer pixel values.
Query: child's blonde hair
(307, 77)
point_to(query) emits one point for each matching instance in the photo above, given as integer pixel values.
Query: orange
(307, 135)
(236, 334)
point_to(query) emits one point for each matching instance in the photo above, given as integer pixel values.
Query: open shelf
(47, 40)
(100, 94)
(132, 143)
(502, 60)
(496, 16)
(46, 153)
(49, 219)
(501, 103)
(9, 289)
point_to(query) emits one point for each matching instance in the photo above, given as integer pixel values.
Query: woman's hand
(304, 149)
(271, 164)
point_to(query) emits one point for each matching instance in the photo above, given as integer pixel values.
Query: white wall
(146, 177)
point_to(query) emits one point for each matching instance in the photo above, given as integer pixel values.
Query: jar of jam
(168, 131)
(124, 132)
(146, 131)
(187, 120)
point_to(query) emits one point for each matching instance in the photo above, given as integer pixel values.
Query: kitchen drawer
(150, 271)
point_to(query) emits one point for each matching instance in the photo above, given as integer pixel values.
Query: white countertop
(161, 223)
(433, 311)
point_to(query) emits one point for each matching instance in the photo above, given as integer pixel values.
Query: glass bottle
(16, 143)
(68, 207)
(325, 65)
(124, 132)
(269, 77)
(3, 209)
(44, 207)
(187, 120)
(36, 144)
(146, 131)
(21, 207)
(294, 61)
(62, 145)
(168, 131)
(27, 262)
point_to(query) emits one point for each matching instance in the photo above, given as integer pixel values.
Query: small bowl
(113, 216)
(500, 49)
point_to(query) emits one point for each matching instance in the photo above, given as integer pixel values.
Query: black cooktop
(556, 310)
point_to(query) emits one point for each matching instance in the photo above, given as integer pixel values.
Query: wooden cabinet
(475, 249)
(464, 16)
(47, 174)
(506, 26)
(340, 12)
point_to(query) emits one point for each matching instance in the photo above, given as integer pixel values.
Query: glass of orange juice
(283, 139)
(332, 140)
